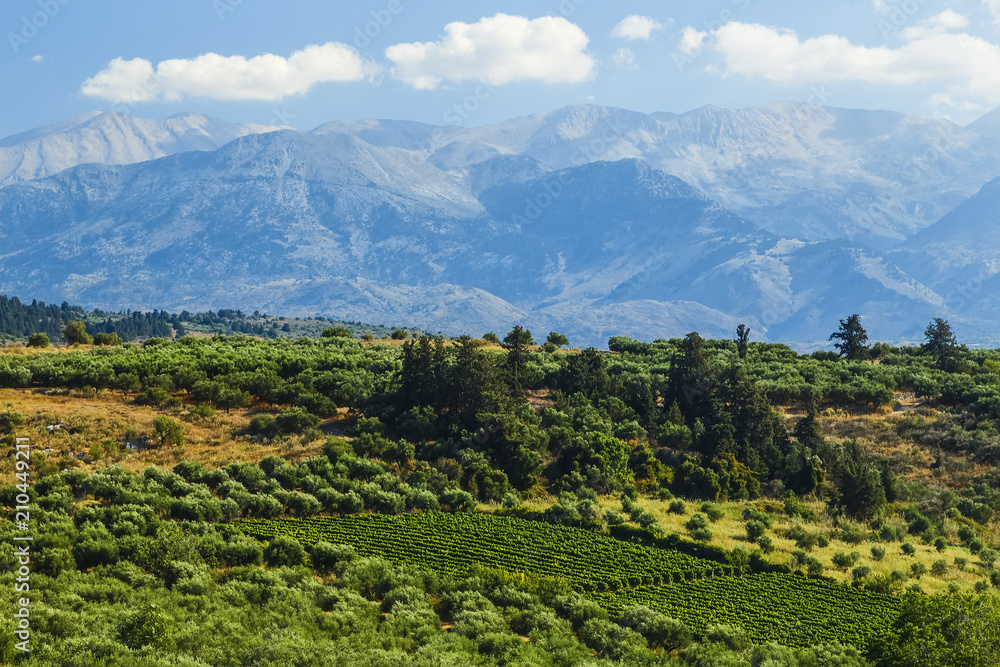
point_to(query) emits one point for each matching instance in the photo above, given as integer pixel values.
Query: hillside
(805, 500)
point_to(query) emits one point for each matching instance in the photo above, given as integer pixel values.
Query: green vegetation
(787, 609)
(19, 321)
(451, 543)
(781, 471)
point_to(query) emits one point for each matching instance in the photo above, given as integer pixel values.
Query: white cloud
(965, 66)
(950, 19)
(263, 77)
(624, 57)
(692, 41)
(500, 49)
(37, 59)
(636, 27)
(993, 6)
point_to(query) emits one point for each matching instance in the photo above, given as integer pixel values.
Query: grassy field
(91, 431)
(729, 532)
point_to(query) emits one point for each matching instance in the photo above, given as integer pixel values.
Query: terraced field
(450, 543)
(785, 608)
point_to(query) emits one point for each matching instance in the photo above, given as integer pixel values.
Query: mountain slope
(797, 170)
(326, 223)
(111, 138)
(959, 254)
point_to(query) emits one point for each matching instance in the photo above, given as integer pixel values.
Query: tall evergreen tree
(853, 338)
(742, 340)
(941, 344)
(516, 343)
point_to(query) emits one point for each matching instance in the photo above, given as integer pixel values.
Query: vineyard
(789, 609)
(450, 543)
(784, 608)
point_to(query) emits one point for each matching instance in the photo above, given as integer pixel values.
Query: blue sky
(307, 62)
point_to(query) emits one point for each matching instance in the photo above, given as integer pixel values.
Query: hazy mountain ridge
(468, 229)
(111, 138)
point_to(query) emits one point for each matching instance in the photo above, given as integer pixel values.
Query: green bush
(284, 550)
(39, 340)
(295, 420)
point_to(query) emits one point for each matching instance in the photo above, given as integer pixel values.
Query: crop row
(451, 543)
(784, 608)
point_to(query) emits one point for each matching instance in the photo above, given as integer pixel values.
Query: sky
(305, 62)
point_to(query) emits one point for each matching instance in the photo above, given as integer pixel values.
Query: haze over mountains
(588, 220)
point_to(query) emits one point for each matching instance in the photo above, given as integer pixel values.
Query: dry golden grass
(21, 349)
(98, 426)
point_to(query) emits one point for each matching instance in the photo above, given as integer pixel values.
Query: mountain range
(589, 220)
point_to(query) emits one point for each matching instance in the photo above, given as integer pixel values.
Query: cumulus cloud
(37, 59)
(264, 77)
(501, 49)
(965, 66)
(636, 27)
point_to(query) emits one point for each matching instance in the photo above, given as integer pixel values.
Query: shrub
(966, 533)
(39, 340)
(696, 522)
(107, 339)
(262, 424)
(842, 560)
(755, 530)
(328, 557)
(141, 628)
(713, 512)
(852, 535)
(908, 548)
(243, 553)
(336, 332)
(75, 333)
(284, 550)
(659, 629)
(168, 431)
(735, 639)
(878, 552)
(702, 534)
(677, 507)
(10, 420)
(295, 420)
(814, 566)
